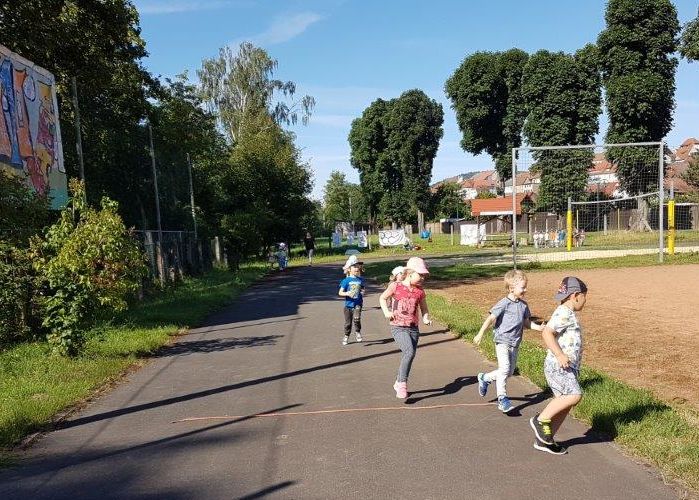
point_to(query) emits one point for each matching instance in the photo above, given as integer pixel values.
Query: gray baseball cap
(568, 286)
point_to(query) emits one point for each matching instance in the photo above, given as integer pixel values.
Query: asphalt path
(263, 401)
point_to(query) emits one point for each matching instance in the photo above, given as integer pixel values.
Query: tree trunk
(639, 217)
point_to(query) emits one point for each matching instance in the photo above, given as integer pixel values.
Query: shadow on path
(450, 388)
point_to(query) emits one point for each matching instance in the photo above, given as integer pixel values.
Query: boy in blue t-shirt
(352, 289)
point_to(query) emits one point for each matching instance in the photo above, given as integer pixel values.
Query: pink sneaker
(401, 389)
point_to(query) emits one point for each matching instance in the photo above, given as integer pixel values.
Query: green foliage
(563, 98)
(369, 153)
(17, 304)
(22, 212)
(343, 201)
(689, 40)
(486, 94)
(239, 86)
(446, 202)
(691, 175)
(393, 147)
(88, 264)
(638, 73)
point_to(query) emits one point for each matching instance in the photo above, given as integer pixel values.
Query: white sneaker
(345, 340)
(359, 337)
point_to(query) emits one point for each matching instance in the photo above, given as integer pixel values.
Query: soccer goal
(588, 201)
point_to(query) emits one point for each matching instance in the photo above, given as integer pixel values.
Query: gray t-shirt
(509, 326)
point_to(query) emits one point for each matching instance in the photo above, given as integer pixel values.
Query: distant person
(282, 257)
(510, 316)
(309, 243)
(582, 237)
(561, 238)
(563, 337)
(406, 297)
(352, 289)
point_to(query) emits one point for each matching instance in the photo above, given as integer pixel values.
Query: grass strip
(35, 385)
(665, 436)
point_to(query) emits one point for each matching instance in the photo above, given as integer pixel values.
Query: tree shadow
(527, 400)
(267, 491)
(184, 348)
(450, 388)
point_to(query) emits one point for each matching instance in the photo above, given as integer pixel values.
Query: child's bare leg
(556, 406)
(558, 419)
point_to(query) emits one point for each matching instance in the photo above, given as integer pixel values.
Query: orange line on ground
(319, 412)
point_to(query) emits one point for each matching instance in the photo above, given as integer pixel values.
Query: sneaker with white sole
(553, 449)
(359, 337)
(345, 340)
(504, 404)
(401, 389)
(482, 385)
(542, 430)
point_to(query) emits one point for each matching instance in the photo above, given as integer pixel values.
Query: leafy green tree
(336, 198)
(414, 126)
(638, 74)
(239, 84)
(691, 175)
(486, 94)
(689, 40)
(370, 155)
(23, 213)
(88, 265)
(447, 202)
(562, 94)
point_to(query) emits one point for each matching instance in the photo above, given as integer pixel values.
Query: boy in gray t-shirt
(510, 316)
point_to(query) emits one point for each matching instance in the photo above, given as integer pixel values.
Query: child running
(352, 289)
(563, 337)
(406, 297)
(510, 316)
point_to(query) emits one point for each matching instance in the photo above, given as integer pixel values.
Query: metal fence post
(514, 207)
(661, 201)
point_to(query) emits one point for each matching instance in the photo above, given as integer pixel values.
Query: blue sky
(347, 53)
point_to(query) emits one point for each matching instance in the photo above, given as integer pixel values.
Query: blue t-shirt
(509, 326)
(355, 285)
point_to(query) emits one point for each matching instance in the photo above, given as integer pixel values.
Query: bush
(88, 265)
(17, 307)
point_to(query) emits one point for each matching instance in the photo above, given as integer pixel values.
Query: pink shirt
(405, 302)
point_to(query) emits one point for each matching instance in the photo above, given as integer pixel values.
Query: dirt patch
(640, 325)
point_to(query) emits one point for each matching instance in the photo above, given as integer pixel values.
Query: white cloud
(284, 28)
(156, 7)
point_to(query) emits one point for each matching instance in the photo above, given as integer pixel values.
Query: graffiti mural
(30, 133)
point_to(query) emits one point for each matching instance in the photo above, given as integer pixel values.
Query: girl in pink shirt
(405, 298)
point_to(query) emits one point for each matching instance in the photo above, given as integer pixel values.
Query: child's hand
(388, 315)
(426, 319)
(477, 339)
(563, 361)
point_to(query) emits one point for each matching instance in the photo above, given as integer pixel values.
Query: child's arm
(425, 311)
(549, 336)
(383, 300)
(343, 293)
(530, 324)
(489, 321)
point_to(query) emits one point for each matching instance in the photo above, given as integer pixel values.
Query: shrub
(89, 265)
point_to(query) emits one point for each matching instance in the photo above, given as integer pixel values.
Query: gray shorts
(562, 382)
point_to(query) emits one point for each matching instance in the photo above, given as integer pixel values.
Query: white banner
(363, 239)
(392, 238)
(472, 234)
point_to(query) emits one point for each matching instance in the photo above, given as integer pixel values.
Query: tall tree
(414, 128)
(239, 84)
(486, 94)
(689, 40)
(447, 202)
(638, 74)
(369, 153)
(562, 95)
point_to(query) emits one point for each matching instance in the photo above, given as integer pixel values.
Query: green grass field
(664, 435)
(35, 385)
